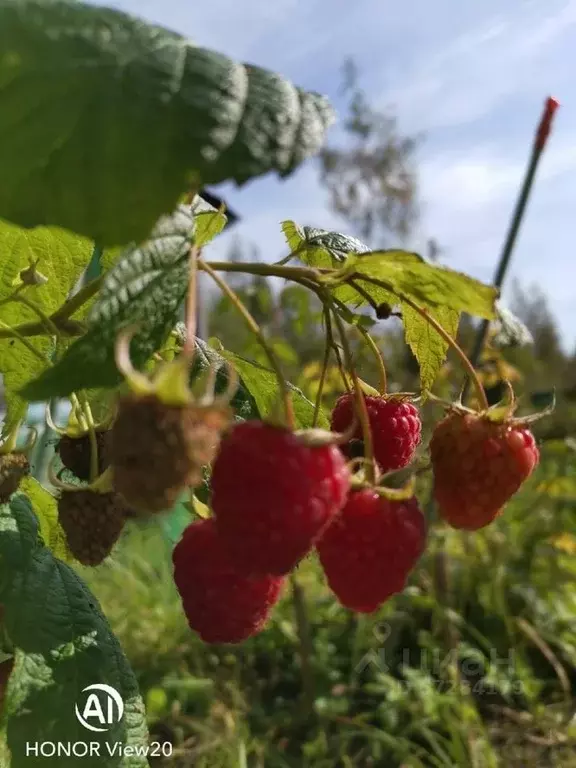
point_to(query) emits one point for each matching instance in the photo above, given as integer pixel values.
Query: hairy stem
(378, 357)
(257, 331)
(266, 270)
(48, 323)
(74, 303)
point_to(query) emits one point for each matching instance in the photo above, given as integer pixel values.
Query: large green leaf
(408, 274)
(428, 347)
(106, 120)
(63, 644)
(60, 257)
(146, 287)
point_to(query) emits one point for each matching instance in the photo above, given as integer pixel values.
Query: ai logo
(100, 712)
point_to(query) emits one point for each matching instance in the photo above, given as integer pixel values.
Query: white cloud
(505, 55)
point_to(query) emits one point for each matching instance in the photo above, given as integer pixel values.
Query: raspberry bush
(152, 409)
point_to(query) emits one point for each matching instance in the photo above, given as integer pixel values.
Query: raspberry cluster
(279, 495)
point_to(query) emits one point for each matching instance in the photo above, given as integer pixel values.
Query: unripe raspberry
(13, 467)
(75, 453)
(158, 450)
(92, 522)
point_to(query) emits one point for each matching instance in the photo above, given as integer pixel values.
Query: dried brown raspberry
(162, 437)
(92, 521)
(13, 467)
(158, 450)
(75, 453)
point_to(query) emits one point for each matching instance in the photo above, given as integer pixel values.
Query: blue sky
(471, 76)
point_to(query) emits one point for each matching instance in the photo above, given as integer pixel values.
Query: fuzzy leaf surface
(106, 120)
(63, 644)
(146, 287)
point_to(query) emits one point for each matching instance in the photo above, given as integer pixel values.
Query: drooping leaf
(63, 644)
(410, 275)
(319, 248)
(428, 347)
(106, 120)
(46, 511)
(145, 288)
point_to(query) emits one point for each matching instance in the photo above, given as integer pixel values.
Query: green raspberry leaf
(146, 287)
(107, 120)
(408, 274)
(262, 385)
(60, 257)
(46, 511)
(63, 644)
(208, 221)
(319, 248)
(428, 347)
(205, 358)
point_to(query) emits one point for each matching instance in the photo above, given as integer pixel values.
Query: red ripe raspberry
(273, 495)
(368, 552)
(478, 465)
(220, 604)
(395, 424)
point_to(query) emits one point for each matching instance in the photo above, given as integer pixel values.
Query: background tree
(371, 176)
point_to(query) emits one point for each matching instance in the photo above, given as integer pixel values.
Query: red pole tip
(543, 132)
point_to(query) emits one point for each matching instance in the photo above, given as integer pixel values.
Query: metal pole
(540, 139)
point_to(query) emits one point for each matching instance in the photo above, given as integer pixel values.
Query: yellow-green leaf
(428, 347)
(46, 511)
(409, 274)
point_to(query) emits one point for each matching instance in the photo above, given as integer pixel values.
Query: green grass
(479, 674)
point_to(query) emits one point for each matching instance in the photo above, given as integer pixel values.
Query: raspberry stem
(332, 343)
(379, 358)
(189, 344)
(87, 412)
(360, 401)
(325, 361)
(257, 331)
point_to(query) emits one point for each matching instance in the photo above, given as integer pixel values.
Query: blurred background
(474, 665)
